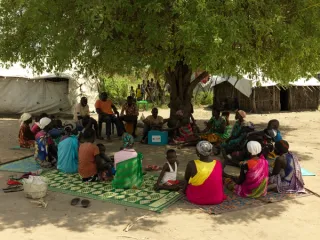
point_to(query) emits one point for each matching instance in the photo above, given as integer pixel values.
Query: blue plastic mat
(306, 172)
(22, 166)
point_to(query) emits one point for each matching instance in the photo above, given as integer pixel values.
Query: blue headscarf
(127, 140)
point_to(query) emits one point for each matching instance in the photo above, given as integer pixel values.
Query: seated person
(236, 142)
(274, 124)
(168, 176)
(253, 179)
(286, 176)
(129, 114)
(204, 184)
(185, 133)
(36, 128)
(26, 137)
(128, 165)
(106, 110)
(88, 156)
(68, 150)
(104, 165)
(82, 111)
(56, 130)
(45, 148)
(215, 128)
(152, 122)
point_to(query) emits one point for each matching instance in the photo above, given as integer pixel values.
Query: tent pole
(254, 107)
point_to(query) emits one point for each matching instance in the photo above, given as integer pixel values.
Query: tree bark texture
(182, 87)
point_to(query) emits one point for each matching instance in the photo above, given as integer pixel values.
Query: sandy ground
(296, 219)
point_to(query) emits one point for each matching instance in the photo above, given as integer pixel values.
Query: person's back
(68, 155)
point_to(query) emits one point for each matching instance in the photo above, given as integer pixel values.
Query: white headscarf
(24, 117)
(44, 122)
(204, 148)
(254, 147)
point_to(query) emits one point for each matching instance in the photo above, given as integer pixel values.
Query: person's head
(152, 80)
(240, 115)
(216, 113)
(281, 147)
(127, 140)
(70, 128)
(56, 123)
(154, 112)
(171, 156)
(148, 81)
(204, 149)
(254, 148)
(139, 86)
(273, 124)
(143, 81)
(89, 135)
(130, 100)
(131, 87)
(103, 96)
(26, 118)
(102, 148)
(45, 123)
(84, 101)
(179, 114)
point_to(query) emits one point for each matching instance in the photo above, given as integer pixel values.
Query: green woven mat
(145, 197)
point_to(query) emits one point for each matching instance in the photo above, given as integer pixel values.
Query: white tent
(23, 91)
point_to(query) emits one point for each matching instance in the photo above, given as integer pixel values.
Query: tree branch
(194, 83)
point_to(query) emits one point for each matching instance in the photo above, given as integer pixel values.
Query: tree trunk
(181, 92)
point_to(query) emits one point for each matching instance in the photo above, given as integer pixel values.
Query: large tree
(278, 38)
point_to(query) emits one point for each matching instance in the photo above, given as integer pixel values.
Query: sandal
(16, 188)
(85, 203)
(12, 182)
(75, 201)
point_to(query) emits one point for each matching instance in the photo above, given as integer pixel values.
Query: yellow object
(204, 169)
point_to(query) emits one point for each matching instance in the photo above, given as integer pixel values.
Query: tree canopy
(276, 37)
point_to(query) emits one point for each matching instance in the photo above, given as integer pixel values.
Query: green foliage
(276, 37)
(116, 87)
(203, 98)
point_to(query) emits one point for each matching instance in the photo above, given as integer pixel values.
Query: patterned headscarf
(254, 147)
(242, 113)
(24, 117)
(127, 140)
(204, 148)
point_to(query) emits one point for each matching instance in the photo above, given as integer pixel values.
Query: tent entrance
(284, 99)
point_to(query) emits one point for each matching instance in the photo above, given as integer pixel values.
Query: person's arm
(164, 169)
(222, 127)
(242, 176)
(136, 110)
(114, 108)
(278, 165)
(190, 172)
(28, 134)
(192, 119)
(122, 110)
(77, 111)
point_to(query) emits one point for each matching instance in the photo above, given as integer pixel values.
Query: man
(106, 111)
(129, 114)
(81, 113)
(152, 122)
(143, 89)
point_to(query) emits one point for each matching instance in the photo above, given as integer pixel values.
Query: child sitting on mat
(168, 176)
(104, 165)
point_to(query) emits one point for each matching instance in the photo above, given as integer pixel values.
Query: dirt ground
(296, 219)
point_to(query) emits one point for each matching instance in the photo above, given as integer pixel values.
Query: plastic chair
(144, 103)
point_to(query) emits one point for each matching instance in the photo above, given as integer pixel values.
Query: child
(104, 164)
(274, 124)
(168, 176)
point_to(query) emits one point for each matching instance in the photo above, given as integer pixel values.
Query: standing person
(82, 111)
(128, 165)
(68, 150)
(254, 174)
(286, 175)
(132, 93)
(152, 122)
(129, 114)
(88, 156)
(139, 93)
(106, 110)
(26, 137)
(143, 90)
(204, 184)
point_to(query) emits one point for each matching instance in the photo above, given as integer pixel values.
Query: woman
(253, 179)
(68, 150)
(128, 165)
(26, 137)
(286, 175)
(204, 185)
(238, 134)
(45, 149)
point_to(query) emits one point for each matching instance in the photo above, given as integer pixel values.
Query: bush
(203, 98)
(117, 88)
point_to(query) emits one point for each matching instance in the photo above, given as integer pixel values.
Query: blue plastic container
(157, 138)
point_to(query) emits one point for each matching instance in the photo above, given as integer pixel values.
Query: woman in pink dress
(204, 183)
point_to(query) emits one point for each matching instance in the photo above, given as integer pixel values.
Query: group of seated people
(71, 148)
